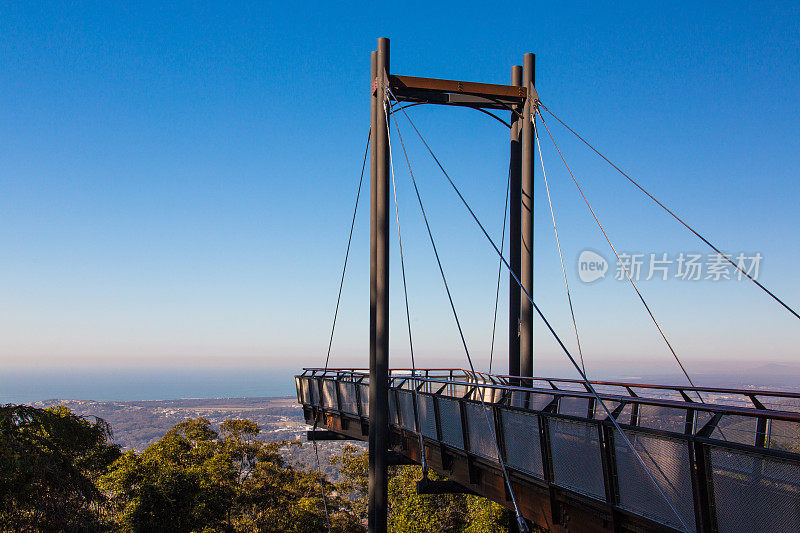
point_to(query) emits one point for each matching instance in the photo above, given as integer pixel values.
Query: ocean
(109, 384)
(126, 384)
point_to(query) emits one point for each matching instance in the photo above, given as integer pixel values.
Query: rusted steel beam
(435, 91)
(455, 99)
(444, 486)
(394, 458)
(323, 434)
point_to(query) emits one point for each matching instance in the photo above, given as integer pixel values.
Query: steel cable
(654, 199)
(333, 327)
(520, 519)
(406, 106)
(503, 234)
(500, 269)
(322, 485)
(347, 252)
(676, 217)
(405, 298)
(561, 344)
(619, 261)
(558, 245)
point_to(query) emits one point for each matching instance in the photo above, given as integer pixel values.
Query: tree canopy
(198, 479)
(411, 512)
(50, 460)
(61, 472)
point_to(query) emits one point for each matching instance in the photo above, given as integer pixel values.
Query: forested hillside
(60, 471)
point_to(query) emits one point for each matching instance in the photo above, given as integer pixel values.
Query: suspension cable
(503, 233)
(500, 268)
(520, 519)
(566, 351)
(405, 298)
(333, 327)
(610, 416)
(558, 245)
(619, 261)
(676, 217)
(347, 252)
(322, 484)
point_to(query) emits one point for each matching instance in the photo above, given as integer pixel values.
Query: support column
(379, 294)
(526, 226)
(514, 239)
(373, 173)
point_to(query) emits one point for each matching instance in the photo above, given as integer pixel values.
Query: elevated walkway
(728, 459)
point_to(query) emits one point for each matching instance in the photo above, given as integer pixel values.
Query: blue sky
(176, 181)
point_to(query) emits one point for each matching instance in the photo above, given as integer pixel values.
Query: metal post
(373, 172)
(515, 295)
(701, 471)
(526, 226)
(379, 296)
(515, 242)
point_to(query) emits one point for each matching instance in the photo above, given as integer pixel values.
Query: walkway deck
(728, 459)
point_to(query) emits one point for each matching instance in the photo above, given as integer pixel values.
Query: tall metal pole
(379, 356)
(514, 235)
(526, 264)
(372, 250)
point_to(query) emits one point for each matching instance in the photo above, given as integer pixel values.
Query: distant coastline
(137, 424)
(125, 385)
(179, 383)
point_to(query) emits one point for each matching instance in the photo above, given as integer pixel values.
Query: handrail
(623, 384)
(754, 412)
(678, 388)
(685, 451)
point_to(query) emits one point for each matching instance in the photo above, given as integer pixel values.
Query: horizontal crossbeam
(322, 434)
(444, 486)
(453, 92)
(394, 458)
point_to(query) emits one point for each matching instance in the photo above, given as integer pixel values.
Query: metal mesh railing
(538, 402)
(667, 460)
(394, 417)
(735, 467)
(405, 402)
(347, 397)
(523, 444)
(670, 419)
(481, 434)
(427, 415)
(740, 429)
(450, 422)
(755, 493)
(329, 394)
(574, 406)
(784, 436)
(577, 463)
(363, 399)
(314, 385)
(304, 390)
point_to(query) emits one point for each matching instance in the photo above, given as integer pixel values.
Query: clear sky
(176, 179)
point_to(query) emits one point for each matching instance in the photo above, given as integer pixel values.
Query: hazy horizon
(105, 383)
(177, 182)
